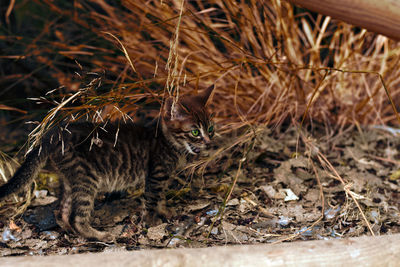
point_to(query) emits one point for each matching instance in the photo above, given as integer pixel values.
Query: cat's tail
(34, 161)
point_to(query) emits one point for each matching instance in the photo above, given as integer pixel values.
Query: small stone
(290, 196)
(212, 212)
(158, 232)
(52, 235)
(269, 190)
(40, 193)
(233, 202)
(214, 231)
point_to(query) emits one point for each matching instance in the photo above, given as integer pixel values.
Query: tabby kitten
(91, 160)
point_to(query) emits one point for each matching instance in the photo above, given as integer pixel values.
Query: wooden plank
(360, 251)
(380, 16)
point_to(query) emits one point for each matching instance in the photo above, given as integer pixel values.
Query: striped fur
(90, 160)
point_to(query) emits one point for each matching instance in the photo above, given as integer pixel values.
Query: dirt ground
(285, 188)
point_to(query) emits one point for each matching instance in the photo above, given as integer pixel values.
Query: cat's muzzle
(194, 149)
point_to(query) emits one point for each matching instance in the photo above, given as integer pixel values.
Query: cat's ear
(174, 111)
(205, 95)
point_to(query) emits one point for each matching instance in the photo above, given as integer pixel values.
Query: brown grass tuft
(268, 59)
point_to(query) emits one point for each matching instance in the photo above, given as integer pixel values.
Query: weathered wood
(380, 16)
(361, 251)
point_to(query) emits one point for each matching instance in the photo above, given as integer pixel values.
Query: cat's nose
(206, 141)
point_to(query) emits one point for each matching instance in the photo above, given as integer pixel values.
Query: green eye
(195, 132)
(211, 129)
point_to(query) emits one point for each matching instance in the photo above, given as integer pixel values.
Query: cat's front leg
(156, 201)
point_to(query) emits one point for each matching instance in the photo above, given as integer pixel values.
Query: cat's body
(90, 160)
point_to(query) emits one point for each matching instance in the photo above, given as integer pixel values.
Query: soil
(277, 186)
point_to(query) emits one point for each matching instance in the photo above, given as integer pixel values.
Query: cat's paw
(88, 232)
(103, 237)
(109, 238)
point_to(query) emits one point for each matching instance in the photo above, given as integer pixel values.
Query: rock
(158, 232)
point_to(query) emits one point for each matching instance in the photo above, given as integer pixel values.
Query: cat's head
(187, 123)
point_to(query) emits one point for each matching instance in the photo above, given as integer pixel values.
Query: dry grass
(268, 60)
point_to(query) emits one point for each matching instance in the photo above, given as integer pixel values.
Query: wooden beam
(360, 251)
(380, 16)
